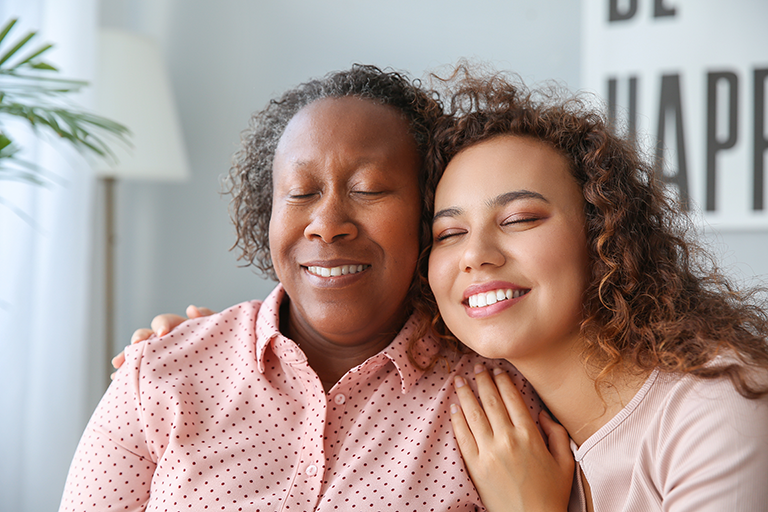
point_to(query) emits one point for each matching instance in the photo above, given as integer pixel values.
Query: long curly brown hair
(250, 178)
(656, 299)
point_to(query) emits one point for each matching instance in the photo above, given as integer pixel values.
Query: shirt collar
(268, 323)
(268, 329)
(424, 350)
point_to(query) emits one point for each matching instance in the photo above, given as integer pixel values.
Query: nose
(331, 221)
(481, 250)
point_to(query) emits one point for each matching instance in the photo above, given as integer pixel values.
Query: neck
(329, 358)
(568, 390)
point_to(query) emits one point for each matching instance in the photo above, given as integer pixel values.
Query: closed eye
(301, 197)
(520, 220)
(448, 233)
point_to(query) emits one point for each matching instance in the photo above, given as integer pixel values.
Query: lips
(483, 299)
(335, 271)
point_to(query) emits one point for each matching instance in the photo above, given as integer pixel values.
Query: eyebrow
(500, 200)
(363, 161)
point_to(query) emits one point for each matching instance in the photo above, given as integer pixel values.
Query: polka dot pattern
(224, 413)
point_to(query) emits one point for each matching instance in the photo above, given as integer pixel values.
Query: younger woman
(556, 248)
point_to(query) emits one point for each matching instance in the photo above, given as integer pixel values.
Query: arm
(113, 466)
(713, 454)
(160, 326)
(506, 457)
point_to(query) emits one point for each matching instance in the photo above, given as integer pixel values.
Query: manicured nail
(459, 382)
(479, 368)
(454, 409)
(497, 371)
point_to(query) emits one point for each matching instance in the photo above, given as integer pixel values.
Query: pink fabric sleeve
(713, 451)
(113, 466)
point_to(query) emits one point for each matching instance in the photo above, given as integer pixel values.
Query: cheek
(400, 227)
(279, 238)
(439, 279)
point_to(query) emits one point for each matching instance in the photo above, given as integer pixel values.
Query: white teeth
(486, 299)
(336, 271)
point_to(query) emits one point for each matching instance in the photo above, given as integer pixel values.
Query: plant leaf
(7, 28)
(36, 53)
(43, 65)
(42, 102)
(7, 55)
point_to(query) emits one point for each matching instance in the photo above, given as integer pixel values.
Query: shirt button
(311, 470)
(340, 399)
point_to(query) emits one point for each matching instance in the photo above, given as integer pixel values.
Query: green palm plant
(29, 92)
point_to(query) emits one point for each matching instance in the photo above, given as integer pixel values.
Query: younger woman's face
(509, 262)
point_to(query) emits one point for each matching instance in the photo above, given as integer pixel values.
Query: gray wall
(227, 58)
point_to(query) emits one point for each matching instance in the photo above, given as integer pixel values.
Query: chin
(490, 350)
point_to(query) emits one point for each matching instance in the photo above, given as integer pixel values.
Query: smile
(343, 270)
(480, 300)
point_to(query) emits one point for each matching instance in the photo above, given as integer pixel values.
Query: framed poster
(688, 80)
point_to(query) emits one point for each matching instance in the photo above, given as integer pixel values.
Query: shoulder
(196, 340)
(711, 397)
(703, 422)
(708, 436)
(702, 405)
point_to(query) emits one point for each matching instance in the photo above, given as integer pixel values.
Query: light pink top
(682, 444)
(225, 414)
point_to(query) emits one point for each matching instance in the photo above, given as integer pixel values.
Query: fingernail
(454, 409)
(162, 333)
(459, 382)
(479, 368)
(497, 371)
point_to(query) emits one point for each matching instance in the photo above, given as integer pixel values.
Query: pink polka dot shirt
(224, 413)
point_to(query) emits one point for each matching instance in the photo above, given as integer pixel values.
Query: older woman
(326, 395)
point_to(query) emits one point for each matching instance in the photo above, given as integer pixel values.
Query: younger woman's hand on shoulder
(507, 459)
(160, 326)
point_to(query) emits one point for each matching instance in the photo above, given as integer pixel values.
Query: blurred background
(224, 60)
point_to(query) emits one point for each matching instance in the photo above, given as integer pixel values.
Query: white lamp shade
(132, 88)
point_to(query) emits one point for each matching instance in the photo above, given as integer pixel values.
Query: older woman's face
(345, 218)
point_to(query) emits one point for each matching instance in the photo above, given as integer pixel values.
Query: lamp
(132, 88)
